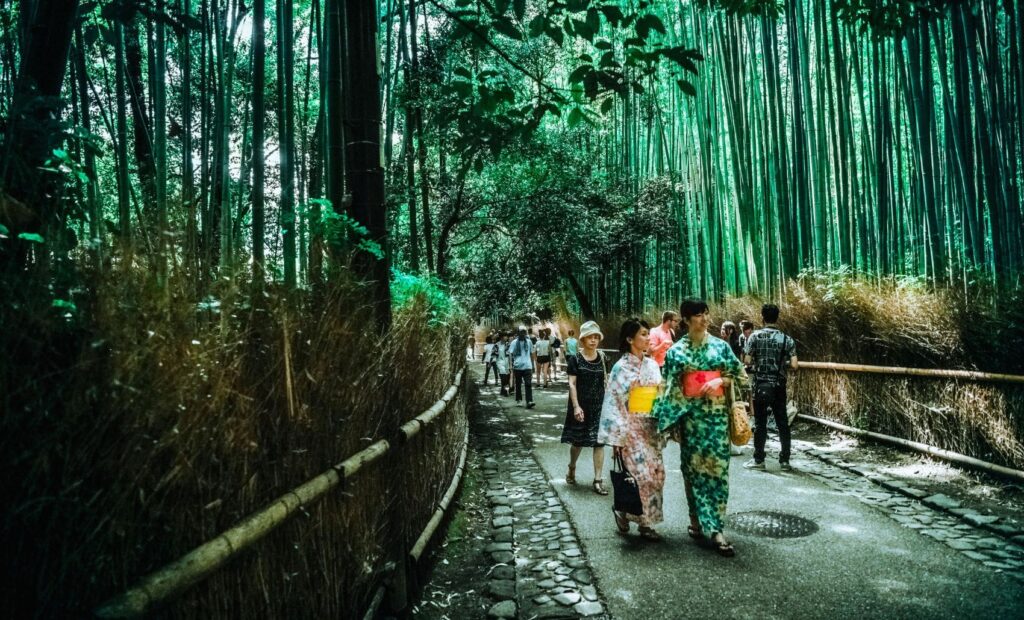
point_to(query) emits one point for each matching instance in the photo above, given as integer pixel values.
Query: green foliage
(889, 18)
(31, 237)
(408, 289)
(767, 8)
(342, 233)
(490, 110)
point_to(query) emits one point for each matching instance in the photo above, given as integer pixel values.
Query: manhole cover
(772, 524)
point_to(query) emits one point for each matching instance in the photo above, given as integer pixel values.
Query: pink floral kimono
(636, 434)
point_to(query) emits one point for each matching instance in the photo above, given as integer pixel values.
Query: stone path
(980, 537)
(884, 549)
(539, 568)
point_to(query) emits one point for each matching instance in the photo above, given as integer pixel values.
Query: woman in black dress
(587, 377)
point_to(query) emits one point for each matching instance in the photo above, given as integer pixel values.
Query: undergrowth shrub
(141, 424)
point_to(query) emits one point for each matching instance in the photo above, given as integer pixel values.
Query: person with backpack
(770, 352)
(556, 353)
(502, 361)
(524, 360)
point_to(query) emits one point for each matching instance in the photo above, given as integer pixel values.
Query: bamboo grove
(829, 138)
(706, 146)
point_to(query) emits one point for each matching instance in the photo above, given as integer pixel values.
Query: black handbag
(627, 492)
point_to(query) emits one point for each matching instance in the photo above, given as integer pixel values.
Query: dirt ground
(459, 566)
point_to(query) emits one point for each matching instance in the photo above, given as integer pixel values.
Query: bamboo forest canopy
(621, 153)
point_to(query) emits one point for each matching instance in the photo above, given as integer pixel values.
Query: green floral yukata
(701, 425)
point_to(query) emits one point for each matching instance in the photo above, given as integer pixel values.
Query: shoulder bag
(626, 489)
(739, 423)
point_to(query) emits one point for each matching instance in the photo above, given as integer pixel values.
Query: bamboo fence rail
(208, 557)
(946, 455)
(967, 375)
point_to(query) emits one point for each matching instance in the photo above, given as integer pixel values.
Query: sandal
(695, 532)
(648, 533)
(599, 487)
(724, 548)
(570, 478)
(621, 522)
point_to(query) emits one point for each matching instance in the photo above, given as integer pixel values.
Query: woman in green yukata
(699, 370)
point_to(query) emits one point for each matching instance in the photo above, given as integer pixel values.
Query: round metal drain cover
(772, 524)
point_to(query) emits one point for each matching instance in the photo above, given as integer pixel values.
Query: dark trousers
(487, 371)
(523, 376)
(777, 405)
(505, 384)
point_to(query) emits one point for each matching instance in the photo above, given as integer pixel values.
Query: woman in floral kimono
(699, 370)
(631, 430)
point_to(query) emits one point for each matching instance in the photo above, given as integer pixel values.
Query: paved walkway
(878, 550)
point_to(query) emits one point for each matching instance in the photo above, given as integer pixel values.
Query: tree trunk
(286, 133)
(259, 67)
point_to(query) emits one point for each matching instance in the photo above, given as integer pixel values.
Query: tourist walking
(746, 330)
(572, 346)
(543, 357)
(587, 379)
(663, 336)
(523, 364)
(502, 362)
(489, 359)
(556, 354)
(699, 369)
(627, 425)
(770, 351)
(732, 335)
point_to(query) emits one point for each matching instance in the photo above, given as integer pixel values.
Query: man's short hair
(770, 313)
(668, 315)
(745, 325)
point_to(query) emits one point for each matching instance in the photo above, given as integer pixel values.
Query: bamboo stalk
(945, 455)
(969, 375)
(442, 507)
(204, 560)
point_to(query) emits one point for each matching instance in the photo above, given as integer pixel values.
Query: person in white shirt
(543, 357)
(504, 364)
(489, 361)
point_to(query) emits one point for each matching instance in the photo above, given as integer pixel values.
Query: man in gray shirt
(770, 352)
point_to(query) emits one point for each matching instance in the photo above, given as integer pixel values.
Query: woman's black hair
(692, 307)
(628, 330)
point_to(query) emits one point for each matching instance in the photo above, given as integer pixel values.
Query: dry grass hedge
(905, 323)
(146, 426)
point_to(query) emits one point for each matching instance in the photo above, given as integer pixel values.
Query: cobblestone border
(539, 570)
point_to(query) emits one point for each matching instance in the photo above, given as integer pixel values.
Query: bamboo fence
(966, 375)
(207, 558)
